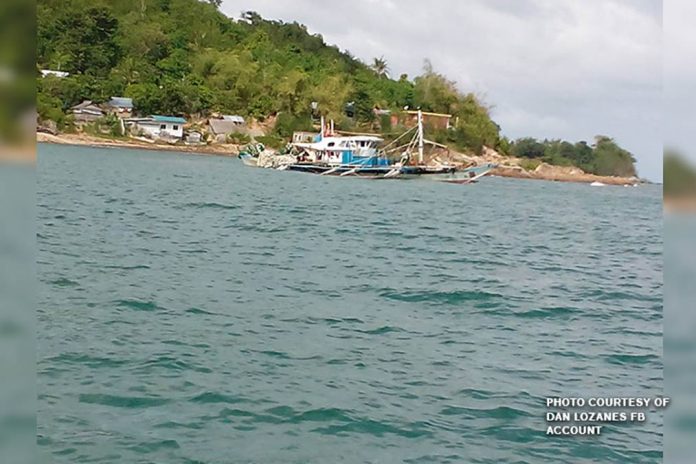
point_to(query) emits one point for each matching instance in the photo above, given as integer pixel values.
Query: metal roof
(170, 119)
(222, 126)
(121, 102)
(234, 118)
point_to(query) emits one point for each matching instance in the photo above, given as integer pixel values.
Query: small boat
(597, 184)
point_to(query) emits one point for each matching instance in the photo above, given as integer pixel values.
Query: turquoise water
(193, 310)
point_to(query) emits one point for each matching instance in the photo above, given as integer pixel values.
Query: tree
(88, 38)
(680, 176)
(527, 147)
(380, 67)
(611, 159)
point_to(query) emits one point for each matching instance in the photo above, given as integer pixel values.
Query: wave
(210, 205)
(122, 401)
(628, 359)
(138, 305)
(447, 298)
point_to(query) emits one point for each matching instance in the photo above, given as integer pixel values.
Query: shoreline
(547, 172)
(98, 142)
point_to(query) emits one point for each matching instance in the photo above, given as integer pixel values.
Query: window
(163, 127)
(175, 127)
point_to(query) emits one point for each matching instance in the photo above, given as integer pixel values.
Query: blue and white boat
(361, 156)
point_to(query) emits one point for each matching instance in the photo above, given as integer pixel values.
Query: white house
(158, 127)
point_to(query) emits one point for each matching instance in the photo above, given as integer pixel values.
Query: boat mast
(420, 136)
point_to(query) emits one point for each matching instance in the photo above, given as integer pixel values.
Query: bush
(271, 141)
(287, 123)
(238, 138)
(530, 164)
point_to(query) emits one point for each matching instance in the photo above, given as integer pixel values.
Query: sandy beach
(91, 141)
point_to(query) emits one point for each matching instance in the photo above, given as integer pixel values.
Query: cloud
(548, 68)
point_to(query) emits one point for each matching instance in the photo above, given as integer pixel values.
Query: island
(180, 75)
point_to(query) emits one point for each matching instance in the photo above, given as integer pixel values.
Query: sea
(195, 310)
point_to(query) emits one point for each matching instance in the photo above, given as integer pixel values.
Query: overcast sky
(548, 68)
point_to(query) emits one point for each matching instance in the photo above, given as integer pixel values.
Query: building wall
(163, 129)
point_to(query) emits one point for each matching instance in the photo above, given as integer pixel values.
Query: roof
(426, 113)
(222, 126)
(87, 107)
(50, 72)
(170, 119)
(121, 102)
(234, 118)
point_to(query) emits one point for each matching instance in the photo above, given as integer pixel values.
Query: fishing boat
(328, 154)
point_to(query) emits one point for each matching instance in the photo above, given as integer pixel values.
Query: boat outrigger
(359, 155)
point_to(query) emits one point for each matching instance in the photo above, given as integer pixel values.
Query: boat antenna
(420, 136)
(321, 130)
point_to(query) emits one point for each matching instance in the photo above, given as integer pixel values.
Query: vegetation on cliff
(184, 57)
(679, 175)
(605, 157)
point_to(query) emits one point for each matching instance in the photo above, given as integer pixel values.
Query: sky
(564, 69)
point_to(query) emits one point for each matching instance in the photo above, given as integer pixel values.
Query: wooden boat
(360, 156)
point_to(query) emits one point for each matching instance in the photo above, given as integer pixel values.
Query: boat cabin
(360, 149)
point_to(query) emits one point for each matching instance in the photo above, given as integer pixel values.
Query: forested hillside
(184, 57)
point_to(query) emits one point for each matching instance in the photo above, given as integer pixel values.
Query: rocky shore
(507, 166)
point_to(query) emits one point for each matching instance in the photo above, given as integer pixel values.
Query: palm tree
(380, 67)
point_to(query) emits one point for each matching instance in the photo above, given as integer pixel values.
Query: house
(303, 137)
(238, 120)
(158, 127)
(121, 106)
(434, 120)
(228, 124)
(50, 72)
(194, 138)
(86, 112)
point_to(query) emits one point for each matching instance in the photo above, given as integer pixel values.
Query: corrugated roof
(234, 118)
(121, 102)
(170, 119)
(222, 126)
(87, 107)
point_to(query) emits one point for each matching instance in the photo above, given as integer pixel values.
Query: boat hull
(248, 160)
(449, 174)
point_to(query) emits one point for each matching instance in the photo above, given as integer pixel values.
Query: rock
(48, 127)
(511, 171)
(545, 169)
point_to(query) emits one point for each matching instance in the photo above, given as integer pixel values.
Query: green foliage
(680, 176)
(287, 123)
(385, 123)
(527, 147)
(238, 138)
(184, 57)
(50, 108)
(605, 158)
(271, 141)
(530, 164)
(612, 160)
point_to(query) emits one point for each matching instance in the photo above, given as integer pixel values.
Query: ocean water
(193, 310)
